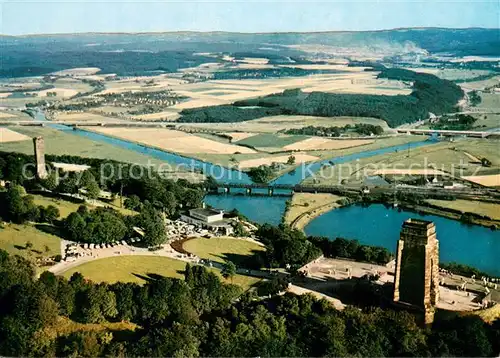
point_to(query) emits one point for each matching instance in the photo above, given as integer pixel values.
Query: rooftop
(418, 223)
(205, 211)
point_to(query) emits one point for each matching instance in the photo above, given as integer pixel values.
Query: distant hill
(142, 53)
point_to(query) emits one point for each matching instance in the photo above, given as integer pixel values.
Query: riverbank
(304, 207)
(472, 218)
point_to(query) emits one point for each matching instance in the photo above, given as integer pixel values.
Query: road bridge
(449, 133)
(77, 124)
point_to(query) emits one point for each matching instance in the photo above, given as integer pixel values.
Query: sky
(36, 17)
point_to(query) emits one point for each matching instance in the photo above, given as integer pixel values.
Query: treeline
(463, 270)
(149, 194)
(430, 95)
(199, 316)
(352, 249)
(267, 73)
(359, 128)
(459, 122)
(118, 178)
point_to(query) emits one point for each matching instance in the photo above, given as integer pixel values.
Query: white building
(208, 218)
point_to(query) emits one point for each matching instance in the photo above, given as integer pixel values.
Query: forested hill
(430, 95)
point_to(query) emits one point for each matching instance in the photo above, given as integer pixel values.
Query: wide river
(375, 225)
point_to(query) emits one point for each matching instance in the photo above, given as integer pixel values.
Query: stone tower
(39, 146)
(416, 279)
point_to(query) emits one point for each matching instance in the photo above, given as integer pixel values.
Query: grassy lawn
(221, 249)
(268, 140)
(67, 207)
(65, 326)
(305, 206)
(137, 268)
(13, 239)
(469, 206)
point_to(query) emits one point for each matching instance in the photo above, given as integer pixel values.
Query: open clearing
(222, 249)
(7, 135)
(273, 124)
(306, 206)
(173, 141)
(252, 163)
(65, 326)
(137, 268)
(317, 143)
(13, 239)
(468, 206)
(486, 180)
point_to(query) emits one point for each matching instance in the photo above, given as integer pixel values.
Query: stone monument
(39, 146)
(416, 279)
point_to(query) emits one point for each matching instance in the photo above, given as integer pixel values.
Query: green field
(444, 156)
(137, 268)
(13, 239)
(490, 100)
(59, 143)
(221, 249)
(468, 206)
(268, 140)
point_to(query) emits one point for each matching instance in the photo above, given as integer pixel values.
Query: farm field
(299, 158)
(13, 239)
(317, 143)
(490, 100)
(275, 124)
(479, 85)
(83, 116)
(451, 73)
(136, 269)
(486, 180)
(59, 143)
(306, 206)
(442, 157)
(13, 115)
(222, 249)
(468, 206)
(269, 140)
(487, 121)
(353, 80)
(8, 135)
(173, 141)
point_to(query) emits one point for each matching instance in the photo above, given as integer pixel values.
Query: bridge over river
(289, 189)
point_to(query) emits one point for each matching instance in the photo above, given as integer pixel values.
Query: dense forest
(200, 316)
(430, 95)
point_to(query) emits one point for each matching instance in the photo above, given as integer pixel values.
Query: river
(472, 245)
